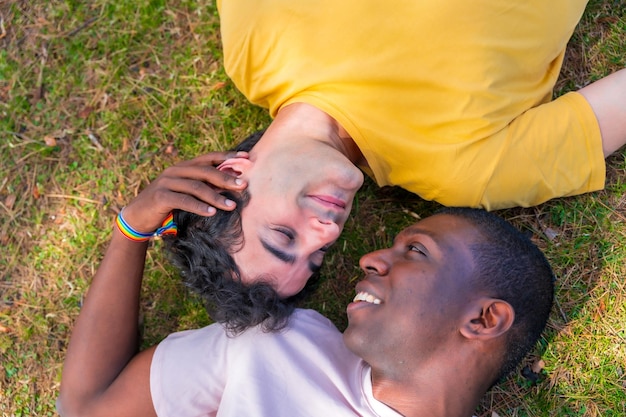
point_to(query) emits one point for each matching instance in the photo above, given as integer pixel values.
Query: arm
(103, 374)
(607, 98)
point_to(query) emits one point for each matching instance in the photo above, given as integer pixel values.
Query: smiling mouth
(363, 296)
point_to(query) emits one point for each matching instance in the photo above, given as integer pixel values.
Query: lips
(366, 293)
(329, 201)
(366, 297)
(363, 300)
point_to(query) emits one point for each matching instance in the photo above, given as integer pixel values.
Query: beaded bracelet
(168, 227)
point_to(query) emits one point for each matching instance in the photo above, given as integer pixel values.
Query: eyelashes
(417, 248)
(288, 234)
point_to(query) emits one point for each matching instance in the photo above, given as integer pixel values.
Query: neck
(453, 391)
(318, 125)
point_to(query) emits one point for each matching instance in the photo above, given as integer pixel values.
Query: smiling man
(438, 318)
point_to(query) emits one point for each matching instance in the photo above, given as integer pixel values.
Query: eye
(286, 234)
(416, 247)
(316, 260)
(325, 248)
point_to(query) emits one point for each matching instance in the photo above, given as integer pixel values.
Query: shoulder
(308, 317)
(303, 323)
(310, 325)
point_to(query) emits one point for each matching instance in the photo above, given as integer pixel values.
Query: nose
(324, 231)
(376, 262)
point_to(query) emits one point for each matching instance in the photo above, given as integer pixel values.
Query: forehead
(446, 233)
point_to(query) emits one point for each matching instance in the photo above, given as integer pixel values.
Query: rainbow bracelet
(168, 227)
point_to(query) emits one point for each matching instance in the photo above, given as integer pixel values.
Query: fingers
(194, 186)
(203, 168)
(204, 182)
(213, 158)
(196, 195)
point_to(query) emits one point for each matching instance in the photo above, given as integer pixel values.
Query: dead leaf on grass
(170, 149)
(538, 366)
(412, 214)
(50, 141)
(551, 234)
(4, 90)
(85, 112)
(4, 238)
(9, 202)
(36, 193)
(219, 85)
(533, 372)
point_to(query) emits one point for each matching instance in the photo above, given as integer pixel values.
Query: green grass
(97, 97)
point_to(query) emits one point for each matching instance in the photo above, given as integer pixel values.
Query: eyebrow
(287, 258)
(416, 230)
(279, 253)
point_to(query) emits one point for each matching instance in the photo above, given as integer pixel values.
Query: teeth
(368, 298)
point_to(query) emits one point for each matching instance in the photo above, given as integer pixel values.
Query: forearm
(105, 336)
(103, 373)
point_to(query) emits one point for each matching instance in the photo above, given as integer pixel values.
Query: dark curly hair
(202, 249)
(510, 267)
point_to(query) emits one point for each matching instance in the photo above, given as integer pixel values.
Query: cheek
(418, 304)
(268, 205)
(275, 179)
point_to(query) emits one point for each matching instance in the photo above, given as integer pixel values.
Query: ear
(487, 319)
(236, 166)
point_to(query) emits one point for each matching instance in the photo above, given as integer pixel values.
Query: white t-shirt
(305, 370)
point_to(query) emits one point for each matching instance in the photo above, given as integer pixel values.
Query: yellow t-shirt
(449, 99)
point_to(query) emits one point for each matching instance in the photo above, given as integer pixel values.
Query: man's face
(301, 193)
(414, 293)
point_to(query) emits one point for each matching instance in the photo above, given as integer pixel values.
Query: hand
(193, 186)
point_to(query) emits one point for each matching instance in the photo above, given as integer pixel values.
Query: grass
(97, 97)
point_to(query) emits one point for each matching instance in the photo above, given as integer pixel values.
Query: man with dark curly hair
(439, 317)
(206, 243)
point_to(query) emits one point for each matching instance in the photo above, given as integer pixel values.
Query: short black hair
(510, 267)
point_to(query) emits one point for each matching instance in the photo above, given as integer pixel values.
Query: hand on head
(194, 186)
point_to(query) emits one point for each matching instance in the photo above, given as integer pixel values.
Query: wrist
(168, 227)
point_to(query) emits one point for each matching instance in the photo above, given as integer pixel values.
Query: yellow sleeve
(550, 151)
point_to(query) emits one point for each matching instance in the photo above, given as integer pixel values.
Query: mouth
(366, 297)
(329, 201)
